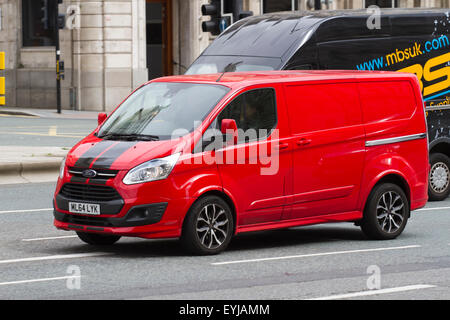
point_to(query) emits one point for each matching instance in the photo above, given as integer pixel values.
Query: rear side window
(322, 106)
(385, 101)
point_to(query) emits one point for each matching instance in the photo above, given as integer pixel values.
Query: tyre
(439, 179)
(208, 226)
(386, 212)
(98, 239)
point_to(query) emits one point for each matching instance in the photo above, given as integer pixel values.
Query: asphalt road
(31, 131)
(325, 261)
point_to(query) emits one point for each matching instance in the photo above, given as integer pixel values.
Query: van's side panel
(328, 148)
(395, 141)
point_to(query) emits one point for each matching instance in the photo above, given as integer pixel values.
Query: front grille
(88, 192)
(101, 173)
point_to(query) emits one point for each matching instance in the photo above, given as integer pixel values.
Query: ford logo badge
(89, 173)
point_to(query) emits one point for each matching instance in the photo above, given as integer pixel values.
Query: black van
(408, 40)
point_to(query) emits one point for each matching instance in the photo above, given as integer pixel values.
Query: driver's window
(254, 112)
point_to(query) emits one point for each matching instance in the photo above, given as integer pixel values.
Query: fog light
(146, 214)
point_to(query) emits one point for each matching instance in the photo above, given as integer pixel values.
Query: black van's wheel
(439, 179)
(386, 212)
(98, 239)
(208, 227)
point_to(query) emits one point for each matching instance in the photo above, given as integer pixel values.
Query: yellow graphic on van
(445, 102)
(431, 72)
(2, 80)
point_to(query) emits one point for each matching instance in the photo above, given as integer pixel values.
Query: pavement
(34, 141)
(29, 164)
(49, 113)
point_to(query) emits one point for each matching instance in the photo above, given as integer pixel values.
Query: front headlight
(62, 168)
(156, 169)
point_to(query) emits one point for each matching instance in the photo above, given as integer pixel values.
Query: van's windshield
(162, 111)
(219, 64)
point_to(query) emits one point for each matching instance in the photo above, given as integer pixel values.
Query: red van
(205, 157)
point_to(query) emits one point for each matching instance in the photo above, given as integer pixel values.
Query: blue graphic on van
(405, 54)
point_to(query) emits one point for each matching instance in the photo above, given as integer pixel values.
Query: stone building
(109, 47)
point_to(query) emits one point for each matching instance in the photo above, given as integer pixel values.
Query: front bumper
(111, 207)
(168, 202)
(140, 221)
(136, 216)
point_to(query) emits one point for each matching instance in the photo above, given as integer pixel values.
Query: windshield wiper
(129, 137)
(231, 67)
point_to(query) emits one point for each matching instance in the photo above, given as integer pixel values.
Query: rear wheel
(98, 239)
(386, 213)
(208, 227)
(439, 179)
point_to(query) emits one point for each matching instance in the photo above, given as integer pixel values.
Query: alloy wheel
(212, 226)
(390, 212)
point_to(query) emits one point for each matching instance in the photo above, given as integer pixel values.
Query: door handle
(303, 142)
(282, 146)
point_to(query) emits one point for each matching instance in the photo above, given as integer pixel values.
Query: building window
(382, 3)
(38, 23)
(279, 5)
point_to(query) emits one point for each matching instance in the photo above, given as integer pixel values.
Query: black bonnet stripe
(92, 153)
(107, 159)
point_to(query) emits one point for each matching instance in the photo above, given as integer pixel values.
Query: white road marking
(375, 292)
(56, 257)
(315, 255)
(50, 238)
(38, 280)
(26, 210)
(429, 209)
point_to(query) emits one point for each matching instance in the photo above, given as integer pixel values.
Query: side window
(254, 112)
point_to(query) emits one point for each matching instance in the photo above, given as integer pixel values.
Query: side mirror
(101, 118)
(229, 126)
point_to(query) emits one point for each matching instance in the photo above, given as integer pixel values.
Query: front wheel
(98, 239)
(386, 213)
(208, 226)
(439, 179)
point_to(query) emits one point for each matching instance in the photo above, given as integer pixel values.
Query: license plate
(84, 208)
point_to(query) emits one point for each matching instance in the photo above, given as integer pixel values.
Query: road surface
(332, 261)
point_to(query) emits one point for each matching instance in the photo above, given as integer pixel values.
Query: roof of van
(231, 79)
(278, 34)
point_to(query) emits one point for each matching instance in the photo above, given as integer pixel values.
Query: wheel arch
(223, 196)
(441, 146)
(394, 178)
